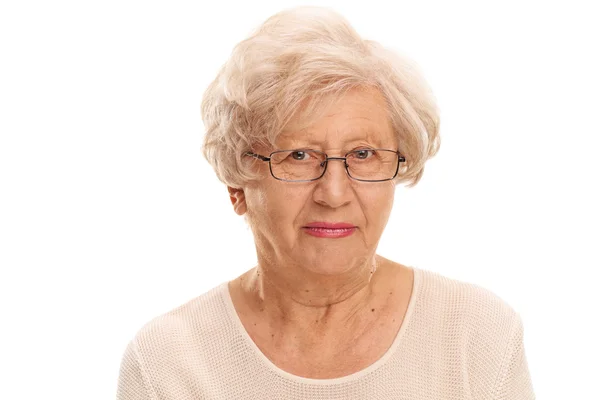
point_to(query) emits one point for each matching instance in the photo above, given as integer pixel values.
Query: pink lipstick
(329, 229)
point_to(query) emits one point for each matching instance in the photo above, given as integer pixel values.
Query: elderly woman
(311, 127)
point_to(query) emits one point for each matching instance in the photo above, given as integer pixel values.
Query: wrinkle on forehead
(374, 134)
(368, 121)
(328, 106)
(339, 138)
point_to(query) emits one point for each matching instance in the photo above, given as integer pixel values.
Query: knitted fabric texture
(457, 341)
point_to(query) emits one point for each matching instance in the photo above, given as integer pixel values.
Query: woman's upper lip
(329, 225)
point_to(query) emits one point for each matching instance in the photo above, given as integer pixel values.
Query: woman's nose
(336, 166)
(333, 189)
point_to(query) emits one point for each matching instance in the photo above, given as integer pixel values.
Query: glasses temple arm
(262, 158)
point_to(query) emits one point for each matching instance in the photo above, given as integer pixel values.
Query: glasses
(300, 165)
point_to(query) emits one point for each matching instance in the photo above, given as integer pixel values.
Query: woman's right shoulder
(166, 352)
(197, 320)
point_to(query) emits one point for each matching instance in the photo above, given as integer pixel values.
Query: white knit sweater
(457, 341)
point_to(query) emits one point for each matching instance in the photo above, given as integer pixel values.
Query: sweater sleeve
(132, 383)
(514, 381)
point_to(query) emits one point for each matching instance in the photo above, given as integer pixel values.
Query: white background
(110, 216)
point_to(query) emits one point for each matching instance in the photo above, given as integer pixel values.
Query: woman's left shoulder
(472, 306)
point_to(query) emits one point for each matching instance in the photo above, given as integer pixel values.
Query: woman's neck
(315, 306)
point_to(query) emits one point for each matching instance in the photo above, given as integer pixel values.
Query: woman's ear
(238, 200)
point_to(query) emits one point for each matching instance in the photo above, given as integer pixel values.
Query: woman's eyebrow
(308, 143)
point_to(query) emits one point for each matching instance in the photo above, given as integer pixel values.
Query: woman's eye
(363, 154)
(300, 155)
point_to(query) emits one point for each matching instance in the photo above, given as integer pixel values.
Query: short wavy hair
(293, 63)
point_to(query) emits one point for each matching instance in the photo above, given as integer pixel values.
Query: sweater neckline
(234, 317)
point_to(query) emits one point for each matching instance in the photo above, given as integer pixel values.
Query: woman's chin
(329, 266)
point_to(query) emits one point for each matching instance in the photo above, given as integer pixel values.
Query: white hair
(294, 62)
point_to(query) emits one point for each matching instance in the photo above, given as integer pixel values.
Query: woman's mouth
(329, 229)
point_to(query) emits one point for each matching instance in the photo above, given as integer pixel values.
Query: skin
(323, 307)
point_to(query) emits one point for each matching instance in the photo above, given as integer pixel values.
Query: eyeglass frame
(327, 158)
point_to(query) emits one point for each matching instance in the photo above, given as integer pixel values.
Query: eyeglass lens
(362, 164)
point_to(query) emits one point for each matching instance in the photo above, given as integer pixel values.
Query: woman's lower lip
(330, 233)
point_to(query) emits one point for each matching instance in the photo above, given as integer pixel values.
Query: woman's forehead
(358, 117)
(337, 137)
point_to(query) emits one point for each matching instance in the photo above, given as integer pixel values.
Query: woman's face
(279, 212)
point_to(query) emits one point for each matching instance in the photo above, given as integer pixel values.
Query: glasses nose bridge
(335, 158)
(326, 161)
